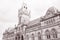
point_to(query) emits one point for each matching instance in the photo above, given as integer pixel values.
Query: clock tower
(24, 14)
(24, 18)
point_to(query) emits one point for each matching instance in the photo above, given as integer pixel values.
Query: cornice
(43, 27)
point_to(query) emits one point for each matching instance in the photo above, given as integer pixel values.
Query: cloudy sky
(9, 11)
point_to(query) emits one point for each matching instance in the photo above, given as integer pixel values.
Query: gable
(52, 11)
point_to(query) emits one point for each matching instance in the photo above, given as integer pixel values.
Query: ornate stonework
(43, 28)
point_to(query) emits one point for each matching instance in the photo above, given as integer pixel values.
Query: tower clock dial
(24, 19)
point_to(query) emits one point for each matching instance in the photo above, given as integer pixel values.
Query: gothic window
(54, 33)
(47, 34)
(32, 36)
(39, 36)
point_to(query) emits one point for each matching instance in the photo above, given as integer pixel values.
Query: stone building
(43, 28)
(9, 34)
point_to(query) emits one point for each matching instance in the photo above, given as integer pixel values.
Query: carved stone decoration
(31, 28)
(51, 12)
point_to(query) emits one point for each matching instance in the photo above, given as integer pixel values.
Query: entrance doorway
(17, 37)
(22, 38)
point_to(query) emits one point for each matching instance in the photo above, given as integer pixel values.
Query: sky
(9, 11)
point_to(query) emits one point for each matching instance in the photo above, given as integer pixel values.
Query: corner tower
(24, 14)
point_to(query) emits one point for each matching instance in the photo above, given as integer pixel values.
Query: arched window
(17, 37)
(27, 37)
(39, 36)
(32, 36)
(47, 34)
(54, 33)
(22, 38)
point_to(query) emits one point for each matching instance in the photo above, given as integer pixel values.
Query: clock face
(24, 19)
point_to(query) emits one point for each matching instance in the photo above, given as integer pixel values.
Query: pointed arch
(47, 33)
(54, 33)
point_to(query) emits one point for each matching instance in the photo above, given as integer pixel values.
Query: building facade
(43, 28)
